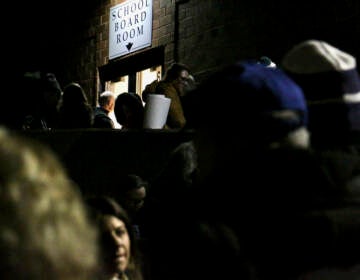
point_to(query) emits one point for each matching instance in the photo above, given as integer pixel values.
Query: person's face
(181, 83)
(135, 199)
(115, 244)
(111, 105)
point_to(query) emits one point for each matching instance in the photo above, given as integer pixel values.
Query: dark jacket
(102, 119)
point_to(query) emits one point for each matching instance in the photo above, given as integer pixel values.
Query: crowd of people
(44, 104)
(268, 188)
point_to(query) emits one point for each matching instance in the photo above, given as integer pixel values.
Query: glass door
(137, 81)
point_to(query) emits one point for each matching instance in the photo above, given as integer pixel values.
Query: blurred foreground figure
(330, 81)
(44, 229)
(242, 111)
(259, 175)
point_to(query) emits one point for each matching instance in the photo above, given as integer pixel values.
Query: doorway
(122, 84)
(141, 80)
(132, 74)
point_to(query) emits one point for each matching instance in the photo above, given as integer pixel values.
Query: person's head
(107, 101)
(330, 81)
(131, 193)
(247, 107)
(179, 175)
(183, 164)
(73, 95)
(51, 90)
(129, 110)
(43, 220)
(117, 242)
(179, 75)
(42, 91)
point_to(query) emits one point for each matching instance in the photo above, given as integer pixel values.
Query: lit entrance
(132, 74)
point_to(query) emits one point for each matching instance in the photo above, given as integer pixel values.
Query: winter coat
(176, 118)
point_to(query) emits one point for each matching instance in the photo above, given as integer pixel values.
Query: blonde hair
(44, 228)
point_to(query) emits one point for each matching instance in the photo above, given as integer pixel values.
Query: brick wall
(208, 34)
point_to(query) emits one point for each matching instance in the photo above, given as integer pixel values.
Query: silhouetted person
(257, 167)
(41, 93)
(129, 110)
(74, 110)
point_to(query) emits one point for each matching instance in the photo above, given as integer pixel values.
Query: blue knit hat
(329, 79)
(248, 95)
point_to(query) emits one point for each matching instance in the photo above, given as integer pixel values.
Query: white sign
(130, 27)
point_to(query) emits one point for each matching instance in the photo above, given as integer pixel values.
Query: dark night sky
(40, 31)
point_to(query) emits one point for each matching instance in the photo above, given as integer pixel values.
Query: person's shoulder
(166, 88)
(103, 121)
(164, 84)
(102, 117)
(151, 88)
(99, 112)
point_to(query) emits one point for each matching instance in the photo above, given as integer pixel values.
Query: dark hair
(174, 71)
(73, 95)
(74, 110)
(50, 83)
(104, 205)
(99, 206)
(131, 182)
(134, 103)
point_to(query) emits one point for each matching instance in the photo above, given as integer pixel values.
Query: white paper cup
(156, 111)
